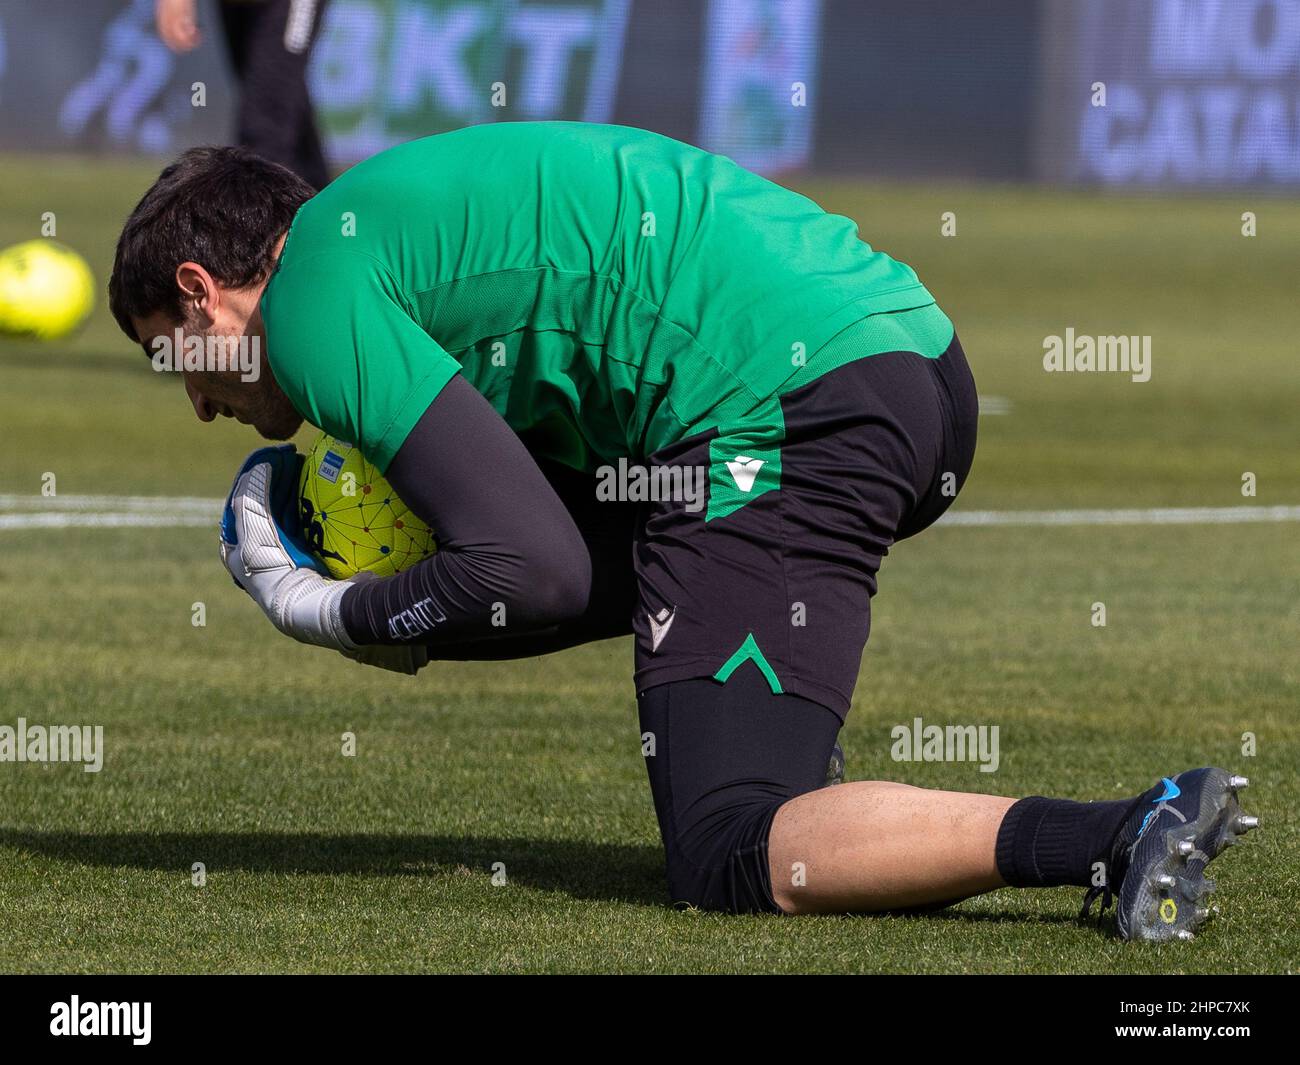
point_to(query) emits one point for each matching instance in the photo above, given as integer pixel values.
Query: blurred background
(1199, 93)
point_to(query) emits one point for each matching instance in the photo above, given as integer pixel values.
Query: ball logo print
(330, 466)
(352, 518)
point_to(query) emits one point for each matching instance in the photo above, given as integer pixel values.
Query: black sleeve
(608, 529)
(510, 559)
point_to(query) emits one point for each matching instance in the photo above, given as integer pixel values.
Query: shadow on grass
(1017, 917)
(598, 871)
(605, 872)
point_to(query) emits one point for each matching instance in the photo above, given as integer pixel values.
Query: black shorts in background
(270, 46)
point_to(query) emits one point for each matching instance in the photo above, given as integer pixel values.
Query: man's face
(233, 320)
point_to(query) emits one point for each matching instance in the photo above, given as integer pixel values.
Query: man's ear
(199, 291)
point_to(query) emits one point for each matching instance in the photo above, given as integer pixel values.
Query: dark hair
(222, 207)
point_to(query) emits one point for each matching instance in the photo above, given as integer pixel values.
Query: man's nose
(202, 407)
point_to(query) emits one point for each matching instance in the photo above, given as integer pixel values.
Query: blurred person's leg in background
(270, 44)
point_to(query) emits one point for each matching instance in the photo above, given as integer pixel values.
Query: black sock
(1049, 842)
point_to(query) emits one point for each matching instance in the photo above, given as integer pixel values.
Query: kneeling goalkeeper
(500, 316)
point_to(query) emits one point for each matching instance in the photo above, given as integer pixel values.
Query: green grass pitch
(224, 741)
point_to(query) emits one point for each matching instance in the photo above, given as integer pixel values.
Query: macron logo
(102, 1018)
(744, 470)
(660, 623)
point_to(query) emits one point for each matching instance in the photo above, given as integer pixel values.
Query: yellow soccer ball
(46, 290)
(351, 517)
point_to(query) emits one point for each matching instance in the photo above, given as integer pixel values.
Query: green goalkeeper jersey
(608, 290)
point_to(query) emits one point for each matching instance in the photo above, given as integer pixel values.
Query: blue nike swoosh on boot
(1171, 792)
(1159, 879)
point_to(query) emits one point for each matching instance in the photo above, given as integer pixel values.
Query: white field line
(131, 504)
(993, 405)
(1151, 516)
(68, 512)
(105, 520)
(106, 512)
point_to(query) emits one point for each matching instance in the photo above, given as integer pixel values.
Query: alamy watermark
(633, 483)
(1073, 353)
(214, 354)
(919, 742)
(53, 743)
(77, 1018)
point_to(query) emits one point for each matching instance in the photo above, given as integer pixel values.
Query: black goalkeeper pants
(875, 452)
(723, 758)
(270, 45)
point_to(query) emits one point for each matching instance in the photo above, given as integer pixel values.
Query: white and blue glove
(270, 561)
